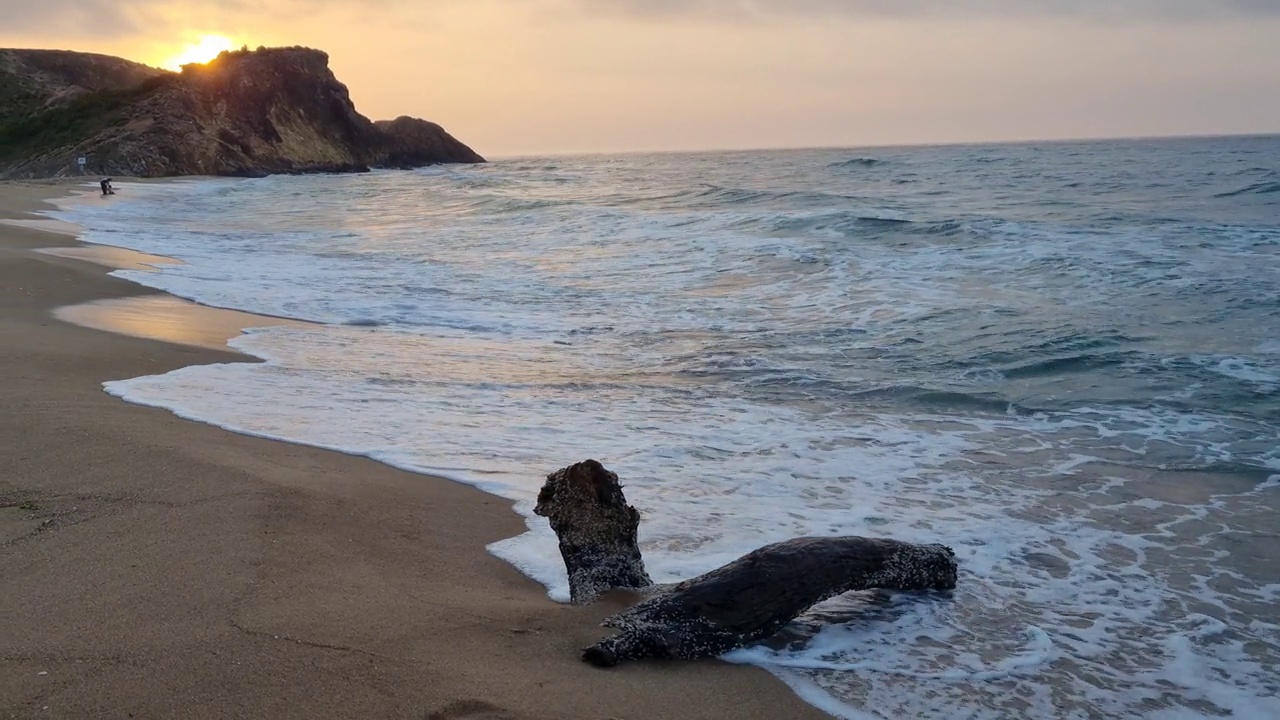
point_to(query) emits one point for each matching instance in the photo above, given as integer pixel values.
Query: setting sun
(201, 51)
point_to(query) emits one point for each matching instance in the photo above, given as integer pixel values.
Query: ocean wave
(782, 383)
(734, 196)
(477, 181)
(937, 399)
(506, 205)
(1010, 349)
(845, 223)
(1059, 366)
(854, 223)
(859, 162)
(1242, 369)
(1262, 188)
(723, 197)
(1258, 171)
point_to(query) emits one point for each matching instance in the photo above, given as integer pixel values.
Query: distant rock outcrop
(273, 110)
(417, 142)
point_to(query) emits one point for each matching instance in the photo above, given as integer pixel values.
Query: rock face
(273, 110)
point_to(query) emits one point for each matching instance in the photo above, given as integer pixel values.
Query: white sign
(81, 161)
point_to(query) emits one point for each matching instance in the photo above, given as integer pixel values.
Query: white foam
(1243, 369)
(1038, 652)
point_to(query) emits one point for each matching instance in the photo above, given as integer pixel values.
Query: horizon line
(898, 145)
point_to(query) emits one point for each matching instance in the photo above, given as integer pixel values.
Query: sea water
(1062, 360)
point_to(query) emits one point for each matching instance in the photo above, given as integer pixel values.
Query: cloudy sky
(544, 76)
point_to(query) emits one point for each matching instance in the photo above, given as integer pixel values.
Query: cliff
(274, 110)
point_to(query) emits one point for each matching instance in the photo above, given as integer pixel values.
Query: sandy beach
(158, 568)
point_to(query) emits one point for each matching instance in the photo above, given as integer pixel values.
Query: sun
(202, 50)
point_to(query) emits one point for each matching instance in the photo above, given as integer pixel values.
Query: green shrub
(73, 122)
(17, 99)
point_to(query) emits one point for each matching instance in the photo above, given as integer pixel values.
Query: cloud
(74, 19)
(79, 19)
(1137, 9)
(114, 18)
(67, 17)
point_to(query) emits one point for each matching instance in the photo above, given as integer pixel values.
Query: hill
(273, 110)
(32, 81)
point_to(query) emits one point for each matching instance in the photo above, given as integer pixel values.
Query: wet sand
(158, 568)
(166, 318)
(114, 258)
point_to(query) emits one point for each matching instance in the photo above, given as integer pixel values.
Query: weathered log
(751, 598)
(596, 528)
(746, 601)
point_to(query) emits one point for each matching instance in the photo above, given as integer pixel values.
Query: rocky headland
(246, 113)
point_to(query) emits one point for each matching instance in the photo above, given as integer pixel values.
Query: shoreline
(152, 314)
(160, 567)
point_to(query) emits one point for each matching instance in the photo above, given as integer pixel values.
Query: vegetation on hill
(32, 81)
(17, 97)
(80, 119)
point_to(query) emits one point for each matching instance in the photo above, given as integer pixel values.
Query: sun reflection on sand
(112, 257)
(166, 318)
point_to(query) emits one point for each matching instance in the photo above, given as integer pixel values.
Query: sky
(526, 77)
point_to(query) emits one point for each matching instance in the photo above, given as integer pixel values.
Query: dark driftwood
(752, 597)
(743, 602)
(596, 528)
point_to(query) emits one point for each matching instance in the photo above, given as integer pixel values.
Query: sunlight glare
(201, 51)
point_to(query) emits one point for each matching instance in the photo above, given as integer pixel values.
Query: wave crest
(859, 162)
(1262, 188)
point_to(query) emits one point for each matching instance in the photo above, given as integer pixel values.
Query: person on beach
(106, 187)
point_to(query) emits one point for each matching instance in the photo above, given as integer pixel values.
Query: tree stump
(596, 528)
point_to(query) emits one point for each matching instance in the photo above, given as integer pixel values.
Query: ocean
(1061, 359)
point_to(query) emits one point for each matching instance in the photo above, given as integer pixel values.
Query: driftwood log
(743, 602)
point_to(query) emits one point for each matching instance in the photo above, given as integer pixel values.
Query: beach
(159, 568)
(298, 474)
